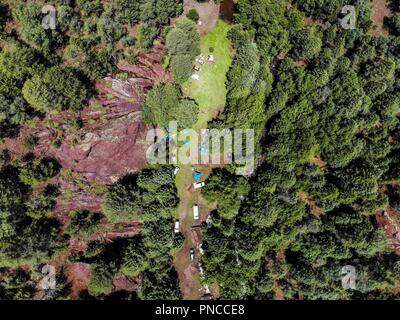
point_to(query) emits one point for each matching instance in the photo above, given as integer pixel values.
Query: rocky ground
(109, 142)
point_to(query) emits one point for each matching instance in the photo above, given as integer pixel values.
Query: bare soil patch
(314, 209)
(389, 219)
(317, 161)
(122, 283)
(308, 21)
(78, 275)
(208, 12)
(380, 9)
(227, 9)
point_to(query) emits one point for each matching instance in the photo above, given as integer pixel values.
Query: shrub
(181, 67)
(83, 223)
(58, 89)
(4, 157)
(40, 206)
(93, 249)
(134, 259)
(147, 196)
(37, 171)
(30, 142)
(101, 278)
(183, 43)
(193, 15)
(122, 201)
(132, 57)
(164, 103)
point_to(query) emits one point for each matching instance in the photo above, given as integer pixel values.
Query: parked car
(199, 185)
(176, 227)
(192, 254)
(196, 212)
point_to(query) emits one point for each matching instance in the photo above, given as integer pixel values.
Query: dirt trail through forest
(380, 9)
(190, 271)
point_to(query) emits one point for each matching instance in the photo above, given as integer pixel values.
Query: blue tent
(196, 175)
(169, 137)
(203, 149)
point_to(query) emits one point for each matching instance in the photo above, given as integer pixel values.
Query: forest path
(210, 94)
(380, 10)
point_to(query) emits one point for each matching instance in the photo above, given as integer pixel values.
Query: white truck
(198, 185)
(196, 212)
(176, 227)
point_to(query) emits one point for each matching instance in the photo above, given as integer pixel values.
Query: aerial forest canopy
(45, 73)
(327, 101)
(324, 104)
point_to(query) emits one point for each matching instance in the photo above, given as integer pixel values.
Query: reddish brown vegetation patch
(111, 141)
(227, 9)
(389, 219)
(317, 161)
(314, 209)
(149, 66)
(308, 21)
(120, 230)
(81, 200)
(105, 154)
(122, 283)
(78, 275)
(380, 9)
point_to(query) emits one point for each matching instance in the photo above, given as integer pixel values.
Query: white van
(196, 212)
(199, 185)
(176, 228)
(192, 254)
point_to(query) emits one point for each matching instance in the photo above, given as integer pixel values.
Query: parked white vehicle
(192, 254)
(196, 212)
(201, 249)
(176, 227)
(199, 185)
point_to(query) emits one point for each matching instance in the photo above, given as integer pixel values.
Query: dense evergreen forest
(45, 71)
(323, 102)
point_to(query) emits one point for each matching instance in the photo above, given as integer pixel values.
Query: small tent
(196, 175)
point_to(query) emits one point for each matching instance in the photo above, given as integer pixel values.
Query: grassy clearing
(210, 92)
